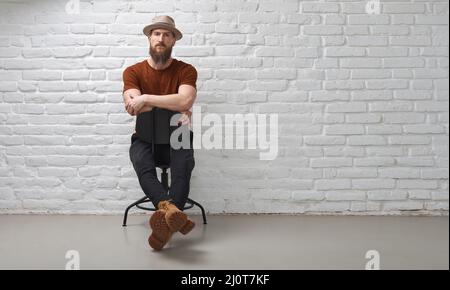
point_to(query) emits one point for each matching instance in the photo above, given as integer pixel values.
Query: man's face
(161, 43)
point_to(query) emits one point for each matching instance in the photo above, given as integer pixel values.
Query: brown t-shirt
(143, 77)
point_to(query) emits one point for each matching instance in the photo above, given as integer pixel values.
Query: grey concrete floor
(260, 242)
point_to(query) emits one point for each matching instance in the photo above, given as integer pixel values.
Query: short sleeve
(189, 76)
(130, 80)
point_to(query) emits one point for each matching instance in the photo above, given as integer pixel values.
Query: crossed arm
(136, 103)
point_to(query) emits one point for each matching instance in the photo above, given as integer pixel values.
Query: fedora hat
(163, 22)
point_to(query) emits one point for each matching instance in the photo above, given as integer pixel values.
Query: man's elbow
(187, 103)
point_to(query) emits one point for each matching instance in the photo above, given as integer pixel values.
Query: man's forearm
(173, 102)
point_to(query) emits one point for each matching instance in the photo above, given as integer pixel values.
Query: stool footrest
(189, 204)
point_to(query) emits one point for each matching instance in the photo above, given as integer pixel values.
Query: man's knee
(142, 163)
(182, 163)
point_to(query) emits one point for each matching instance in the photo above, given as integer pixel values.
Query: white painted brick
(390, 30)
(303, 195)
(110, 6)
(361, 62)
(399, 172)
(337, 74)
(82, 28)
(406, 8)
(419, 194)
(334, 151)
(344, 129)
(235, 6)
(356, 172)
(387, 51)
(41, 75)
(436, 206)
(325, 140)
(79, 52)
(366, 41)
(410, 41)
(366, 140)
(417, 184)
(384, 129)
(280, 52)
(319, 7)
(345, 195)
(322, 30)
(346, 107)
(344, 85)
(333, 184)
(368, 19)
(334, 40)
(8, 87)
(331, 162)
(304, 18)
(431, 19)
(409, 140)
(31, 109)
(415, 161)
(277, 74)
(367, 184)
(356, 30)
(435, 173)
(371, 74)
(21, 64)
(402, 205)
(364, 118)
(278, 6)
(345, 51)
(353, 8)
(440, 195)
(329, 206)
(386, 84)
(9, 52)
(387, 195)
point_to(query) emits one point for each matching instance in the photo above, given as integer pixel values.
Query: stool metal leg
(125, 216)
(201, 207)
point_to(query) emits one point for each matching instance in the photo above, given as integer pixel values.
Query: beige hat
(163, 22)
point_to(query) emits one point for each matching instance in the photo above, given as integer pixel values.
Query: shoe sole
(160, 231)
(176, 220)
(188, 226)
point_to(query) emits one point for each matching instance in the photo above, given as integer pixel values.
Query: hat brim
(147, 29)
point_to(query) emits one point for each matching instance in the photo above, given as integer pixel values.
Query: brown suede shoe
(175, 218)
(188, 226)
(161, 233)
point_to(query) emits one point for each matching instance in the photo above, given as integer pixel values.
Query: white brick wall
(362, 102)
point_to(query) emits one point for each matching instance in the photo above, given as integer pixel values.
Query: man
(155, 90)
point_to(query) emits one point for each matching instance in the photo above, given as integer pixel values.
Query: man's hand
(128, 107)
(138, 103)
(185, 118)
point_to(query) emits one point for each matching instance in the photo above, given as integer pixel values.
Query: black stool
(161, 162)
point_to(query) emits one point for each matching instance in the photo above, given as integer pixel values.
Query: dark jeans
(181, 165)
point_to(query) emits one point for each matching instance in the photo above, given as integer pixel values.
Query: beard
(161, 58)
